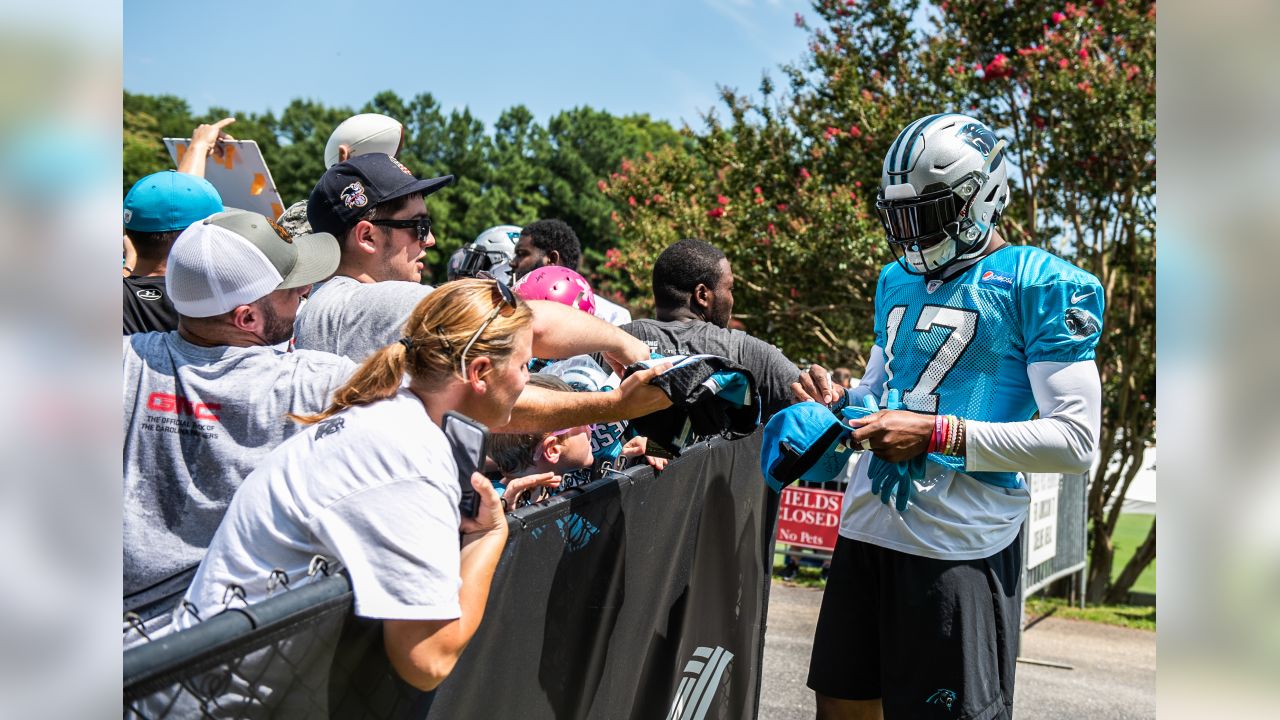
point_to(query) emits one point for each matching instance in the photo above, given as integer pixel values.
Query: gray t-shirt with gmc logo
(197, 420)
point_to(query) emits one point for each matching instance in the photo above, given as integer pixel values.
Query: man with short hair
(553, 242)
(157, 208)
(693, 302)
(203, 404)
(375, 207)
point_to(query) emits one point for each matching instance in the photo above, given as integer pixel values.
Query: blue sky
(663, 57)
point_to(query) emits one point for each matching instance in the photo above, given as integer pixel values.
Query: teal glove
(895, 479)
(894, 401)
(868, 407)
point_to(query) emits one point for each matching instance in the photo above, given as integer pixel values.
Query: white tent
(1141, 498)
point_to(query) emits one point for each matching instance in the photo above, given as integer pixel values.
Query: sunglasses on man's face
(423, 224)
(505, 306)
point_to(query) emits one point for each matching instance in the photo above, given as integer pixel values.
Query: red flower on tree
(1058, 18)
(722, 199)
(997, 68)
(613, 258)
(715, 212)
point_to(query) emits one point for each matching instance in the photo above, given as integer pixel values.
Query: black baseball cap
(347, 190)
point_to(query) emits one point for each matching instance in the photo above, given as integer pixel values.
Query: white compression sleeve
(873, 379)
(1065, 437)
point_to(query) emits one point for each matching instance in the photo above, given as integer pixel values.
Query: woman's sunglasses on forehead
(505, 305)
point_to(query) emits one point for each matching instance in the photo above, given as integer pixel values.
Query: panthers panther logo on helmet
(943, 187)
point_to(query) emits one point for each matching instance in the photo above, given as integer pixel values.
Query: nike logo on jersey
(1077, 297)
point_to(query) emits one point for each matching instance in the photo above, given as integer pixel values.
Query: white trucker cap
(237, 257)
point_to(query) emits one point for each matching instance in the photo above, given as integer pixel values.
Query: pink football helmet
(558, 284)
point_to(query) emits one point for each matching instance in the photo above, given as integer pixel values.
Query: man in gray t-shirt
(377, 210)
(693, 298)
(204, 403)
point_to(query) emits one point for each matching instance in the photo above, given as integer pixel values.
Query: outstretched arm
(543, 410)
(204, 139)
(815, 383)
(560, 331)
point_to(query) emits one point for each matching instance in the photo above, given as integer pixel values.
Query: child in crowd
(532, 464)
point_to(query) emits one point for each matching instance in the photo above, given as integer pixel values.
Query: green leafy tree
(516, 172)
(1073, 88)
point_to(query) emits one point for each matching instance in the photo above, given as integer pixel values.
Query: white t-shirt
(611, 312)
(197, 420)
(374, 488)
(346, 317)
(954, 516)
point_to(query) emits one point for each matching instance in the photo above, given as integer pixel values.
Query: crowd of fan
(285, 381)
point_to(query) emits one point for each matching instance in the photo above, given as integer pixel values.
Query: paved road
(1114, 675)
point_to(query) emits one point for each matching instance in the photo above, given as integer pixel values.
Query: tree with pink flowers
(784, 182)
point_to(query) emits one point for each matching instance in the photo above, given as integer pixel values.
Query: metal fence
(1071, 546)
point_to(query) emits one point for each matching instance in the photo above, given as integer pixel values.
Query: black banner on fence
(634, 597)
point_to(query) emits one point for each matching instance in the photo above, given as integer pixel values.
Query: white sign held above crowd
(239, 172)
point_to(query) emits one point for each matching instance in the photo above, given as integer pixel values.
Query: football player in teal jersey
(985, 350)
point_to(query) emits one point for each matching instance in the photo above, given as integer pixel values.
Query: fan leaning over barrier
(373, 485)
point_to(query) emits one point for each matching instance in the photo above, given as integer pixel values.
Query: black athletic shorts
(931, 638)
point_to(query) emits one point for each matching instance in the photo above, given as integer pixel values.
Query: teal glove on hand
(895, 479)
(868, 407)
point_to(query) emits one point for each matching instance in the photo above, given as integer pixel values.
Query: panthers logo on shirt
(329, 427)
(1080, 323)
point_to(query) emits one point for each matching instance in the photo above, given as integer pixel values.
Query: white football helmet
(942, 190)
(491, 252)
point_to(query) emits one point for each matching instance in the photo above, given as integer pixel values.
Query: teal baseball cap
(169, 200)
(802, 442)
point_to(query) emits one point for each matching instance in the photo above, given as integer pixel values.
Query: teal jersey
(961, 347)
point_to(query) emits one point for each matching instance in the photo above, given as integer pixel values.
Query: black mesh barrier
(634, 596)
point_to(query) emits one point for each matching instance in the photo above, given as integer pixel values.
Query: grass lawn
(1133, 616)
(1131, 530)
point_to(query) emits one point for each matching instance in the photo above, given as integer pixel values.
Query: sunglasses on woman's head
(505, 306)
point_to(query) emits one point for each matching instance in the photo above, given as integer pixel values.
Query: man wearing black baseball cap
(376, 208)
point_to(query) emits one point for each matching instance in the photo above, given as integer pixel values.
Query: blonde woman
(372, 484)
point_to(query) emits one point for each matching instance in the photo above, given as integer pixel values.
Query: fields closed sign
(808, 517)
